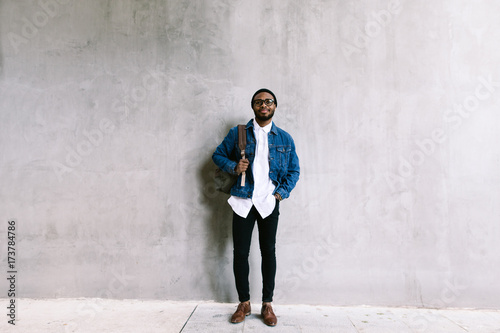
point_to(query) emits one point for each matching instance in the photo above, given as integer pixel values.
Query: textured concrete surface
(325, 319)
(129, 316)
(110, 111)
(98, 315)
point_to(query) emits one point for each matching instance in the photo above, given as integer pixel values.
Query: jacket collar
(273, 127)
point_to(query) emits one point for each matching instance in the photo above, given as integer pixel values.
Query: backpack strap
(242, 143)
(242, 137)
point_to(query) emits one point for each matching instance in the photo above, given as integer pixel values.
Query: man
(271, 172)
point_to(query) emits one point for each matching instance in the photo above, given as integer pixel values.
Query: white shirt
(262, 197)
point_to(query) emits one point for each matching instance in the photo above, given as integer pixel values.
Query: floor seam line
(188, 319)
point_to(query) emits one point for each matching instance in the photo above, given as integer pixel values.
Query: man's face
(263, 112)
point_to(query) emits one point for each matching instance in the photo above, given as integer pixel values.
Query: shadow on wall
(218, 261)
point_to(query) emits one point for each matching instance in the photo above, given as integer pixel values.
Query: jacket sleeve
(288, 182)
(224, 151)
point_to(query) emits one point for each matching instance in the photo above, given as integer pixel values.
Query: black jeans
(242, 236)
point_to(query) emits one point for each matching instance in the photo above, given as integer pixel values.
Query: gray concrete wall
(110, 111)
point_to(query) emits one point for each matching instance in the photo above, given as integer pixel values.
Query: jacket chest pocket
(283, 155)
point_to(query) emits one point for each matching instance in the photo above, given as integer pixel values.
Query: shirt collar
(266, 128)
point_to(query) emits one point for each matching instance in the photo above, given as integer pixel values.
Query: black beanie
(264, 90)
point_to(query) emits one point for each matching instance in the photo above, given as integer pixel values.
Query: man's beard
(266, 117)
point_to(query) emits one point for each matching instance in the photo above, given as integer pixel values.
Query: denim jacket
(284, 167)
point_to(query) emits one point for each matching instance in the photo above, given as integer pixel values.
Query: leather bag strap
(242, 137)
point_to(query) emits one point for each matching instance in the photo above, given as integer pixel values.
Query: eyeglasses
(268, 102)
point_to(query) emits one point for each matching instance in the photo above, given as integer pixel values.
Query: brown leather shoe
(244, 309)
(268, 315)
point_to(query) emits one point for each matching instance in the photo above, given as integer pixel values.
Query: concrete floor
(99, 315)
